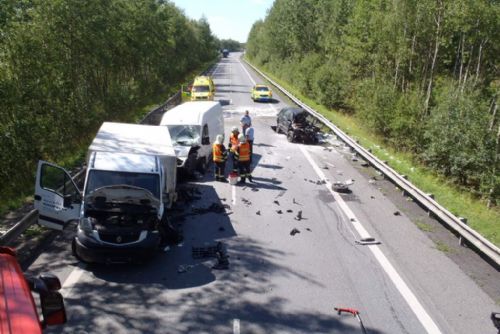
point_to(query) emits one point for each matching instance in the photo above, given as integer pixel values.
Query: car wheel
(290, 136)
(202, 165)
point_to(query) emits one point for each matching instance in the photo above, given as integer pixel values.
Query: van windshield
(102, 178)
(185, 135)
(201, 89)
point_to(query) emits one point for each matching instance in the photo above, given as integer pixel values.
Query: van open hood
(124, 194)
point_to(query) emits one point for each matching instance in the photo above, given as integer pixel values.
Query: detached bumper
(89, 250)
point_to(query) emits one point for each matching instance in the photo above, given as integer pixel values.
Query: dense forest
(68, 65)
(230, 44)
(421, 74)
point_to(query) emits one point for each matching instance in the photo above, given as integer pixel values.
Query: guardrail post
(461, 240)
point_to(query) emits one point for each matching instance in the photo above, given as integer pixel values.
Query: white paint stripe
(417, 308)
(233, 190)
(251, 79)
(236, 326)
(72, 278)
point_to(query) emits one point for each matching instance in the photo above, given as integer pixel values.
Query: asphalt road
(278, 282)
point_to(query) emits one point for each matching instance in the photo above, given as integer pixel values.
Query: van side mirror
(67, 201)
(205, 141)
(53, 310)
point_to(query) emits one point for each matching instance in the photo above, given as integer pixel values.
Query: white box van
(129, 183)
(193, 127)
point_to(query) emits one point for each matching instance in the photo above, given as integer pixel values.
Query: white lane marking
(233, 190)
(236, 326)
(253, 81)
(244, 69)
(72, 278)
(410, 298)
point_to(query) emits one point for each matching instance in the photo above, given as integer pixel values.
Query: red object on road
(354, 312)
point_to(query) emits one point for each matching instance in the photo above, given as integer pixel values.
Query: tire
(201, 166)
(278, 128)
(290, 136)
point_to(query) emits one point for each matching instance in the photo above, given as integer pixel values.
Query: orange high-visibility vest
(233, 139)
(218, 152)
(244, 152)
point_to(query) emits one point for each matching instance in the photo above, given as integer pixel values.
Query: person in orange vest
(219, 155)
(233, 145)
(243, 154)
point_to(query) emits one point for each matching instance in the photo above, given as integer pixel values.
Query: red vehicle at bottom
(18, 311)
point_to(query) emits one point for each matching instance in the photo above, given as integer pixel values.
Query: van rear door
(57, 198)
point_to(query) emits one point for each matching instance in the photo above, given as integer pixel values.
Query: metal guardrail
(486, 247)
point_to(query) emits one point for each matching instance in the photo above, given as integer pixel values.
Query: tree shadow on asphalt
(151, 299)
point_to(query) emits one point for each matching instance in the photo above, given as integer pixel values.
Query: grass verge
(459, 202)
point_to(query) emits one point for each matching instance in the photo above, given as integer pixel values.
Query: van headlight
(86, 226)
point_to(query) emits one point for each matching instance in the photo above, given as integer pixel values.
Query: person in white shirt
(245, 121)
(249, 136)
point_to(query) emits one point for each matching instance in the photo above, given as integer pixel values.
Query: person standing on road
(233, 145)
(245, 121)
(219, 155)
(249, 137)
(243, 155)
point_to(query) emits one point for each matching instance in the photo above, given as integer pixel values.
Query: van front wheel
(202, 165)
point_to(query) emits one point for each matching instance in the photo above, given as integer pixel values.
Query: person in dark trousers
(243, 155)
(233, 145)
(249, 138)
(219, 154)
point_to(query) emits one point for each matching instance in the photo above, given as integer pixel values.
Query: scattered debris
(299, 216)
(325, 167)
(372, 197)
(288, 158)
(222, 261)
(289, 210)
(308, 229)
(246, 201)
(354, 158)
(279, 212)
(371, 181)
(294, 231)
(295, 202)
(367, 241)
(258, 213)
(255, 189)
(218, 251)
(342, 187)
(397, 213)
(320, 182)
(166, 249)
(214, 207)
(365, 164)
(276, 202)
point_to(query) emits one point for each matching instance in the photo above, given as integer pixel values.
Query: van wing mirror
(53, 310)
(67, 200)
(205, 141)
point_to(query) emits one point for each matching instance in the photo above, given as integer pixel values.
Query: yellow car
(262, 93)
(203, 89)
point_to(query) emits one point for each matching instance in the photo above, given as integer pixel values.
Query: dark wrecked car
(298, 125)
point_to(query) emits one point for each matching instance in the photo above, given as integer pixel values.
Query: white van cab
(193, 127)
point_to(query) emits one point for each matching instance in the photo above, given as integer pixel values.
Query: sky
(228, 19)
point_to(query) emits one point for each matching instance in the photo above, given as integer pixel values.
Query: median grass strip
(459, 202)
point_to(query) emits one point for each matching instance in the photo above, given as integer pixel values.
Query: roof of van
(124, 162)
(201, 78)
(189, 113)
(133, 138)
